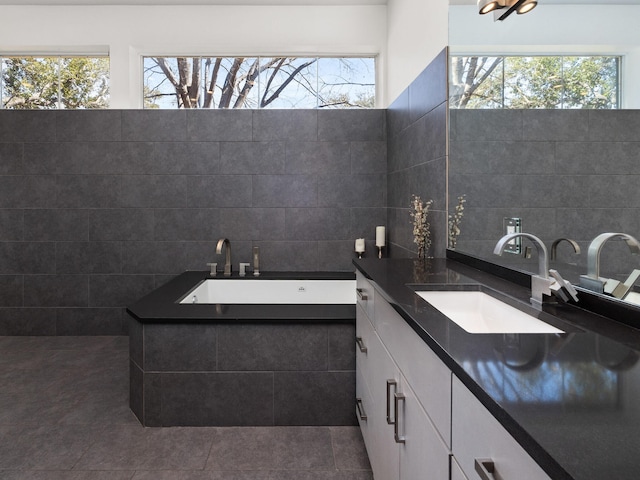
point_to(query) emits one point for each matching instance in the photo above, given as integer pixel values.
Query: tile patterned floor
(64, 415)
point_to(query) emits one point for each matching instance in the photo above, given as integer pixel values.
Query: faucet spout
(227, 263)
(541, 283)
(595, 247)
(554, 246)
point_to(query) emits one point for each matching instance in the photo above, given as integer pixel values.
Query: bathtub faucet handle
(243, 269)
(214, 269)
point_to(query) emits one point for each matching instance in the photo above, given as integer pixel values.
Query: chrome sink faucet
(592, 280)
(541, 283)
(227, 263)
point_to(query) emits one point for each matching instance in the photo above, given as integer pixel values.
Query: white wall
(417, 31)
(129, 32)
(554, 29)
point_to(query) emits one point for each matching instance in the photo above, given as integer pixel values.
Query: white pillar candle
(359, 245)
(380, 236)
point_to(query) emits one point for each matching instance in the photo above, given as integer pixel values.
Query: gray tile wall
(417, 159)
(565, 173)
(97, 208)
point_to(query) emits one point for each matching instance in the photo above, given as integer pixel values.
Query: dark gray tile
(284, 190)
(317, 223)
(72, 257)
(152, 400)
(56, 291)
(555, 125)
(429, 182)
(486, 125)
(278, 448)
(614, 125)
(135, 448)
(88, 125)
(253, 223)
(289, 256)
(11, 225)
(398, 117)
(252, 157)
(27, 321)
(154, 125)
(88, 191)
(368, 157)
(352, 125)
(40, 158)
(177, 158)
(517, 158)
(222, 399)
(289, 125)
(429, 89)
(30, 191)
(364, 221)
(104, 257)
(154, 257)
(180, 348)
(11, 291)
(219, 125)
(56, 225)
(186, 224)
(27, 257)
(120, 224)
(349, 450)
(141, 191)
(27, 126)
(342, 352)
(338, 255)
(11, 159)
(312, 158)
(118, 290)
(314, 398)
(352, 190)
(89, 321)
(250, 347)
(219, 191)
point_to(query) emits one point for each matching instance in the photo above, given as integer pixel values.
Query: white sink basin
(477, 312)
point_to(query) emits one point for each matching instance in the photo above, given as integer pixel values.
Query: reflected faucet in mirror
(541, 284)
(592, 280)
(554, 246)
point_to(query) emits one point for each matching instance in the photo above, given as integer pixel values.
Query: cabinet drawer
(428, 375)
(366, 295)
(476, 434)
(364, 338)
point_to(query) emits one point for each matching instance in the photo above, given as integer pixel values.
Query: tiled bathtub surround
(417, 163)
(566, 173)
(97, 208)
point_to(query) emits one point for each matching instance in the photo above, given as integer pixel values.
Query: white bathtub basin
(225, 291)
(477, 312)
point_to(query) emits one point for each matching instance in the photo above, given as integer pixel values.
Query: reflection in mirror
(568, 172)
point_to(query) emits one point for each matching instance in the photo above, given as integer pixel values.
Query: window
(535, 82)
(54, 82)
(259, 82)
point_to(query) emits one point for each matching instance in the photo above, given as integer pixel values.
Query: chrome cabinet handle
(361, 295)
(360, 407)
(485, 468)
(360, 344)
(390, 383)
(397, 398)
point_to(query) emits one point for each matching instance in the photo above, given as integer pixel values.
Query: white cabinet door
(365, 295)
(477, 435)
(429, 377)
(423, 455)
(456, 471)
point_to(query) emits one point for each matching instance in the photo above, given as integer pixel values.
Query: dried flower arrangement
(454, 222)
(421, 228)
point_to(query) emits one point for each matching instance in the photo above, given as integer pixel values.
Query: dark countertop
(571, 400)
(162, 305)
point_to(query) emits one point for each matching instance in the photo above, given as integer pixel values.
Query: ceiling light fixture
(503, 8)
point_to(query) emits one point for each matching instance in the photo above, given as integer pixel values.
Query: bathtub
(272, 291)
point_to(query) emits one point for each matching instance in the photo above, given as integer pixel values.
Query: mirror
(556, 173)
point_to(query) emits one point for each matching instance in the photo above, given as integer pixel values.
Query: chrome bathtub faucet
(227, 263)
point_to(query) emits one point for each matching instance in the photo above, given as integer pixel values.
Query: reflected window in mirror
(534, 82)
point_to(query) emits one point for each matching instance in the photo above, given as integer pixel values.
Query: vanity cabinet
(404, 415)
(478, 439)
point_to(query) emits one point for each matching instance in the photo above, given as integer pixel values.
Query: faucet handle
(214, 269)
(561, 287)
(243, 269)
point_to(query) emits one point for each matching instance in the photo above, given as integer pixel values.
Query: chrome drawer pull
(389, 384)
(396, 426)
(360, 344)
(361, 295)
(485, 468)
(360, 407)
